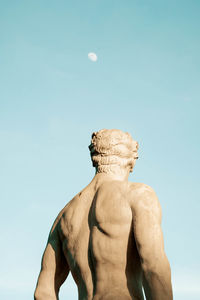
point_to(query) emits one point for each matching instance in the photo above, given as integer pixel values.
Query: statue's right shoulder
(140, 191)
(143, 197)
(138, 187)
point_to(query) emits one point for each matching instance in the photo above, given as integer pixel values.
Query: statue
(109, 235)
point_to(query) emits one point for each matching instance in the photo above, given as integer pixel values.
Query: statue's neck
(116, 173)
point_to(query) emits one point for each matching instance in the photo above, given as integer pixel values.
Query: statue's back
(105, 257)
(95, 235)
(114, 255)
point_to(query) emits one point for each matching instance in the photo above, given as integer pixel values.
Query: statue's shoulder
(64, 217)
(61, 214)
(68, 210)
(141, 194)
(137, 187)
(74, 206)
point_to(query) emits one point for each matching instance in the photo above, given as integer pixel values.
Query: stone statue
(109, 235)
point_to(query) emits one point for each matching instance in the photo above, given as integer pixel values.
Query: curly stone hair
(111, 147)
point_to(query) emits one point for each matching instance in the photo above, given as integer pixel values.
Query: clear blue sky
(52, 97)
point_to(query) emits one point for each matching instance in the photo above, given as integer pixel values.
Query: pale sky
(52, 97)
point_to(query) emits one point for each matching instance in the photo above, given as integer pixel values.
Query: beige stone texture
(109, 235)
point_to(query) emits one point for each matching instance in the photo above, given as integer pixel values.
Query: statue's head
(112, 147)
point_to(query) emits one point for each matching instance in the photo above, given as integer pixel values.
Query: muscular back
(109, 237)
(98, 242)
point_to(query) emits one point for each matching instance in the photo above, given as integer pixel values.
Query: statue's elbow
(41, 294)
(158, 267)
(36, 295)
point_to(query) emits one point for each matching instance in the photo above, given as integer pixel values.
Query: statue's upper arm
(54, 267)
(147, 224)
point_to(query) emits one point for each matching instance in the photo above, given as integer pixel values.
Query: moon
(92, 56)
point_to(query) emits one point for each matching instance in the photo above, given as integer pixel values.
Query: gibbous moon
(92, 56)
